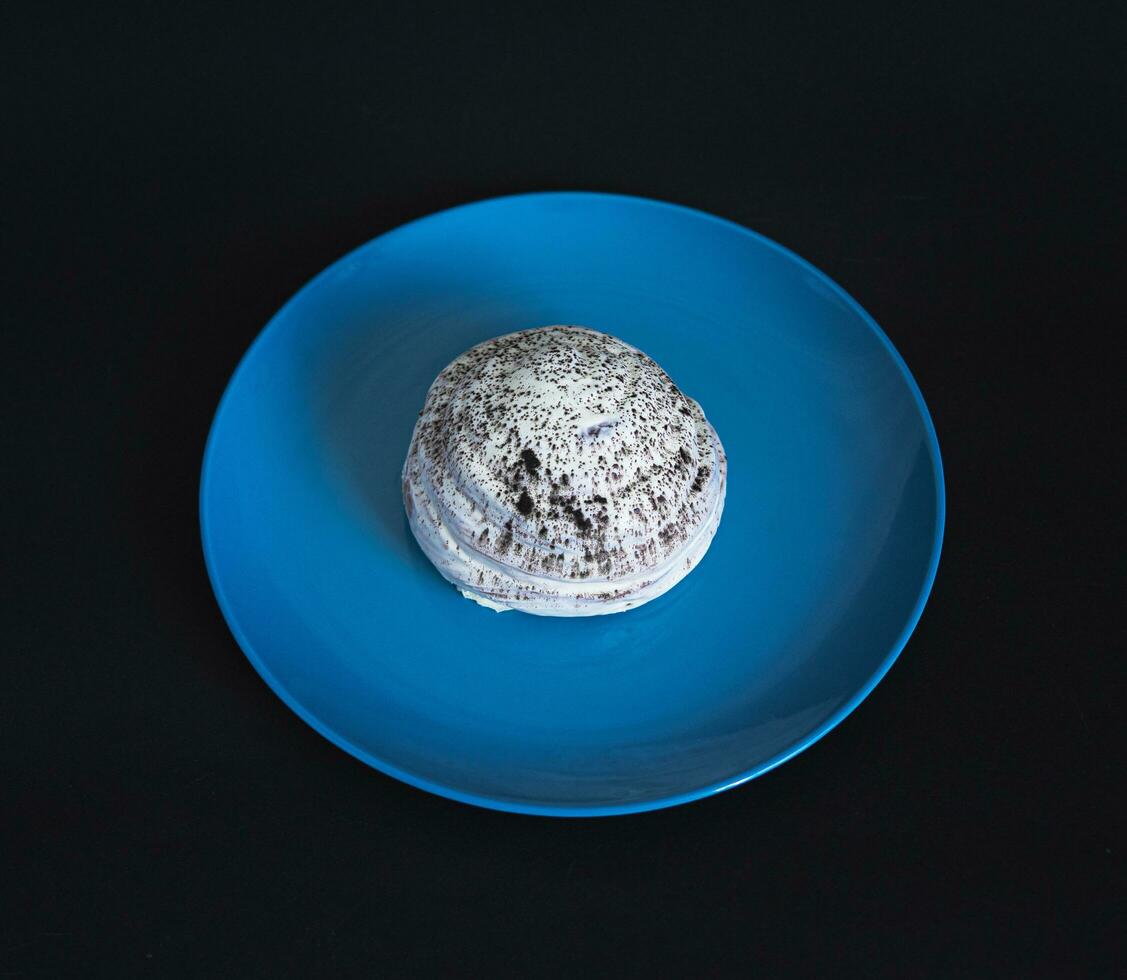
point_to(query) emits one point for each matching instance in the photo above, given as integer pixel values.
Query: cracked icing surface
(561, 472)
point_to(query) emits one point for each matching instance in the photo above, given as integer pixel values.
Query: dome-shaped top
(565, 454)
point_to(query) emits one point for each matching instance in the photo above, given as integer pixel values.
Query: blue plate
(817, 576)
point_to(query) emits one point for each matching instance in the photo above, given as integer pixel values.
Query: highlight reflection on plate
(818, 573)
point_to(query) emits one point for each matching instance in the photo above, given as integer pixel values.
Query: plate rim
(551, 809)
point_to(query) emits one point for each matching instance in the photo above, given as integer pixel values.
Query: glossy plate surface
(819, 571)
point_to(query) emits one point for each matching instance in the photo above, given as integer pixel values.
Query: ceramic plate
(819, 571)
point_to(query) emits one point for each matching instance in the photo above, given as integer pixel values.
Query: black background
(176, 171)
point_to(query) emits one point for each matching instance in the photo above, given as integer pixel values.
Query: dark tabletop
(176, 171)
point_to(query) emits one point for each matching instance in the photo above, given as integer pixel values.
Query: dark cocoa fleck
(532, 464)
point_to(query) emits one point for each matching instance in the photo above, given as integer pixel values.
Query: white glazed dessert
(560, 471)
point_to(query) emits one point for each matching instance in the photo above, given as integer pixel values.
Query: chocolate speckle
(531, 462)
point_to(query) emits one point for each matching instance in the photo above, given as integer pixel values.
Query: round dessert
(559, 471)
